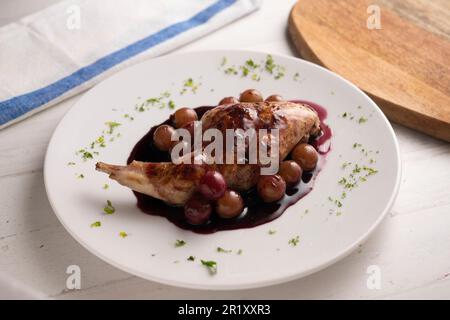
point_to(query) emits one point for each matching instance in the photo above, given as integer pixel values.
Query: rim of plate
(263, 283)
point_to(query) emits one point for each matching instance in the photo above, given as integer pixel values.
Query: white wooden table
(411, 247)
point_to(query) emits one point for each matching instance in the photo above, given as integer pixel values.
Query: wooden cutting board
(404, 66)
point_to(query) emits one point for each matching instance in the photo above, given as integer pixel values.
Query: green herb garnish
(270, 65)
(251, 64)
(219, 249)
(294, 241)
(224, 61)
(179, 243)
(245, 71)
(362, 120)
(111, 126)
(123, 234)
(109, 209)
(256, 77)
(85, 155)
(231, 70)
(272, 232)
(191, 258)
(211, 265)
(96, 224)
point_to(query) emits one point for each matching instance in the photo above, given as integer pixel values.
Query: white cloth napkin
(65, 49)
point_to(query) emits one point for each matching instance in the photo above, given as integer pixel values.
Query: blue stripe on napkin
(15, 107)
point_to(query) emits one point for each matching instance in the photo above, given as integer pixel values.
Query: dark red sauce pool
(256, 212)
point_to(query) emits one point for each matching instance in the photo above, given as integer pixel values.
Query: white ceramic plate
(326, 231)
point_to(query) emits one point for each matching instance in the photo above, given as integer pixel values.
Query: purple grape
(197, 210)
(213, 185)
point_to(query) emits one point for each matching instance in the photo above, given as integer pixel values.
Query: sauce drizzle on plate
(255, 212)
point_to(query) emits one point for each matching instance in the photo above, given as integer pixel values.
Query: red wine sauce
(256, 212)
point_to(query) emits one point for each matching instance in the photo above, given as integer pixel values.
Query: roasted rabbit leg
(175, 184)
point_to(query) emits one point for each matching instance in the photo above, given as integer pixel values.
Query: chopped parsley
(256, 77)
(80, 176)
(231, 70)
(222, 250)
(358, 173)
(270, 64)
(251, 64)
(239, 252)
(111, 126)
(294, 241)
(224, 61)
(179, 243)
(85, 155)
(211, 265)
(171, 104)
(362, 120)
(71, 163)
(253, 69)
(346, 164)
(279, 75)
(191, 258)
(153, 102)
(296, 76)
(274, 68)
(100, 141)
(105, 186)
(190, 84)
(128, 116)
(96, 224)
(123, 234)
(245, 71)
(272, 232)
(109, 208)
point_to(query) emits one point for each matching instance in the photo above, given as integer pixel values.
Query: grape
(162, 137)
(228, 100)
(230, 205)
(212, 185)
(275, 97)
(197, 210)
(184, 116)
(306, 156)
(291, 172)
(251, 95)
(271, 188)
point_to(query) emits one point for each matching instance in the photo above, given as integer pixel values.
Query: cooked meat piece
(175, 184)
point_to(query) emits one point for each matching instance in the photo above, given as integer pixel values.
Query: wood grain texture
(404, 66)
